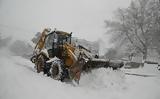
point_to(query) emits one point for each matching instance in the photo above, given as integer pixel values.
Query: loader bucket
(102, 63)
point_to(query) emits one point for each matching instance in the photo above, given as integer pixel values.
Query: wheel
(40, 63)
(158, 67)
(33, 59)
(56, 70)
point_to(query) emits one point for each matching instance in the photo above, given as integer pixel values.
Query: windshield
(50, 39)
(56, 38)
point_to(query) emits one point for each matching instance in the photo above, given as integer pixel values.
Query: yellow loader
(56, 56)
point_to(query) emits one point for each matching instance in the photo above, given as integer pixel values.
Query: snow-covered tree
(136, 25)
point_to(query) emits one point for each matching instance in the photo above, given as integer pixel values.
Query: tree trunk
(145, 55)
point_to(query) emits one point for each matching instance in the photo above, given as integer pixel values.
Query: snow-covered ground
(18, 80)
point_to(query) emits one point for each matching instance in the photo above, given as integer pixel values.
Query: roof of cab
(61, 33)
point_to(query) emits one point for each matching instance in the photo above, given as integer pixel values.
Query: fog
(85, 18)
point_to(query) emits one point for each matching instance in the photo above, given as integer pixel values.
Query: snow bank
(103, 78)
(147, 69)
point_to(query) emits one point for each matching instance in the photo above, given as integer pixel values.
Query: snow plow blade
(102, 63)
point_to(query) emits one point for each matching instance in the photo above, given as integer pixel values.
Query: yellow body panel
(41, 41)
(71, 58)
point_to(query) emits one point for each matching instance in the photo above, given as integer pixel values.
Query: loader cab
(55, 41)
(63, 37)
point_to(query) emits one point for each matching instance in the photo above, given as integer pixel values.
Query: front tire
(56, 70)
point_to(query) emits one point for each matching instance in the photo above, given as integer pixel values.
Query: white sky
(85, 18)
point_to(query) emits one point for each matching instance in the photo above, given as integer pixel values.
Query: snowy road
(18, 80)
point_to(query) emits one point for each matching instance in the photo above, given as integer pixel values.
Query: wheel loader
(57, 56)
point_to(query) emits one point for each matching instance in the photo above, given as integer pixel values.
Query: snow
(18, 80)
(53, 59)
(148, 69)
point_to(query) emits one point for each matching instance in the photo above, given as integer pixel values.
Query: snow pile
(103, 78)
(151, 68)
(147, 69)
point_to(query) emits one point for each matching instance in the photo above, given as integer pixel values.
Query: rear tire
(33, 59)
(40, 63)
